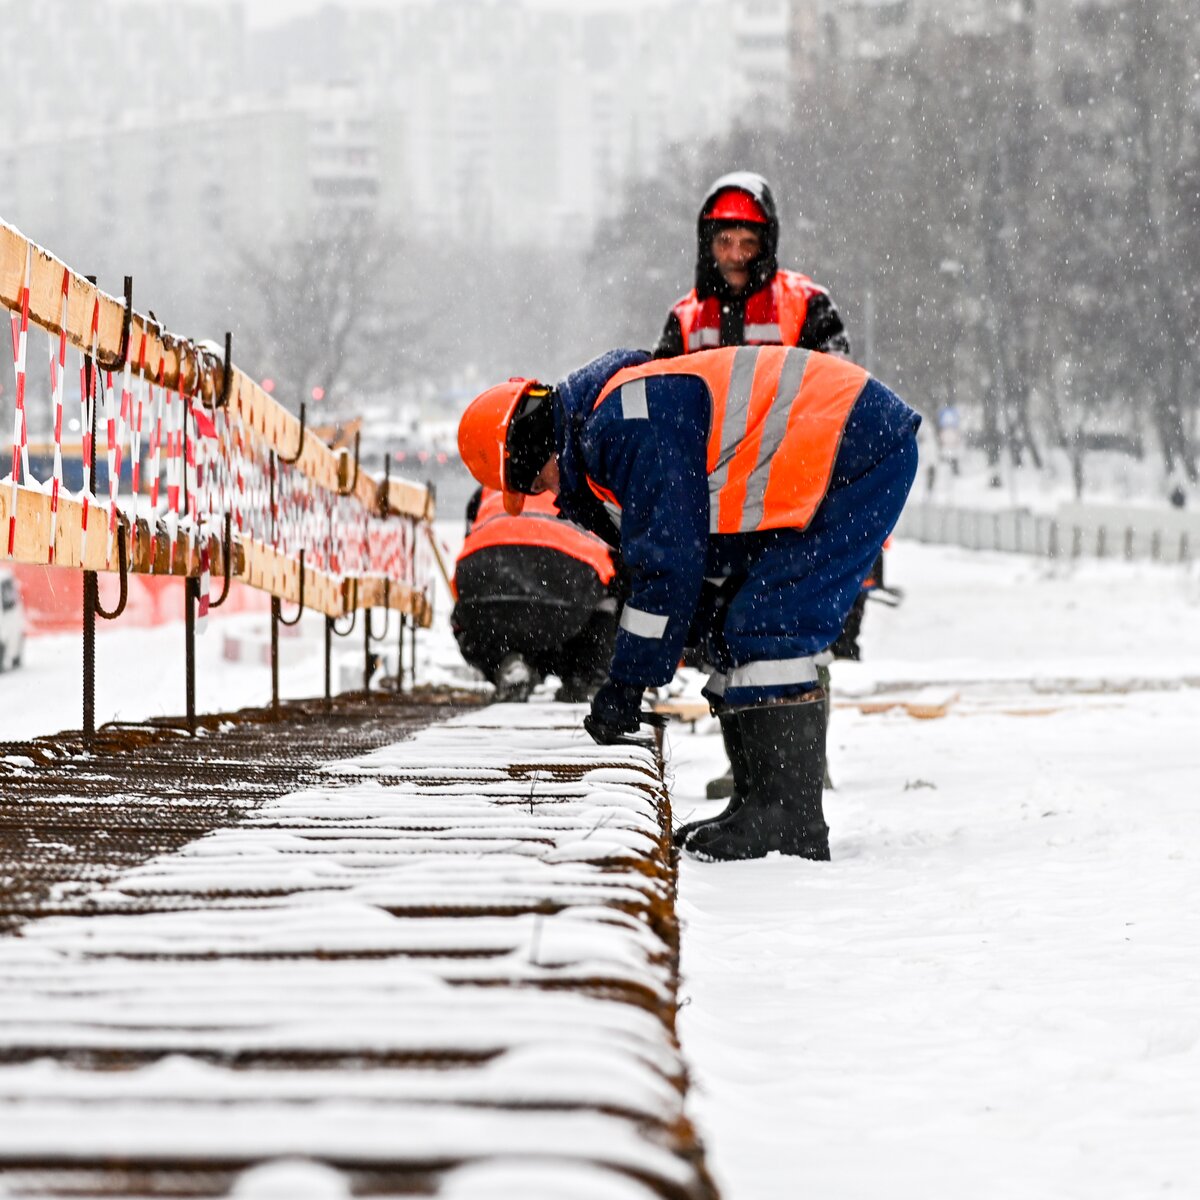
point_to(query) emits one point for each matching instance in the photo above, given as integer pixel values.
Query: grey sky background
(261, 13)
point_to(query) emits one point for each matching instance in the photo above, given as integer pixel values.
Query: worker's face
(547, 478)
(734, 250)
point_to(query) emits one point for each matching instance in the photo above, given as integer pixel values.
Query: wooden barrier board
(182, 361)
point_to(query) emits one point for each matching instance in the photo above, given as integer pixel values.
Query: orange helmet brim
(483, 429)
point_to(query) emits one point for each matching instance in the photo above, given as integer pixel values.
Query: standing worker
(777, 471)
(743, 297)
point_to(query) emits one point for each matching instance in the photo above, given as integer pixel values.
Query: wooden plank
(411, 499)
(683, 710)
(929, 704)
(281, 431)
(404, 497)
(31, 543)
(45, 310)
(376, 592)
(148, 553)
(153, 553)
(269, 571)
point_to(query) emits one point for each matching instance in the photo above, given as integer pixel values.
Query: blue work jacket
(656, 470)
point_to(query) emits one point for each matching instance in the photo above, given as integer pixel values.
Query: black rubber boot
(783, 748)
(823, 680)
(514, 680)
(737, 770)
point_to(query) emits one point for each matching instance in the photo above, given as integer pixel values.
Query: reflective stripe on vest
(765, 334)
(774, 431)
(774, 316)
(703, 339)
(633, 401)
(538, 525)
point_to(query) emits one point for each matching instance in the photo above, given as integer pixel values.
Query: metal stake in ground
(89, 577)
(275, 606)
(367, 651)
(191, 591)
(400, 655)
(328, 662)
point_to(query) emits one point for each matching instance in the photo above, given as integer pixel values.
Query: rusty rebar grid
(83, 806)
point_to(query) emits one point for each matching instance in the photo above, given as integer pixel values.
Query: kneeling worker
(751, 489)
(534, 596)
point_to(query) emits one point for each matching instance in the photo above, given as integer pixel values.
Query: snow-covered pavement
(994, 988)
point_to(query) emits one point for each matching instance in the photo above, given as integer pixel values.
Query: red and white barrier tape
(20, 454)
(58, 376)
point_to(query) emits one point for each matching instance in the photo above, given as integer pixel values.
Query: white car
(12, 621)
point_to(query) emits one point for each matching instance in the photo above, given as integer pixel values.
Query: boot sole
(809, 855)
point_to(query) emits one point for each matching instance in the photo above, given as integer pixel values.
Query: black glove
(616, 712)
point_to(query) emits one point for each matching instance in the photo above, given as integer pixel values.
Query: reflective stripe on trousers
(766, 672)
(642, 624)
(773, 672)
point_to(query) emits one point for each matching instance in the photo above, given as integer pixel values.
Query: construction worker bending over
(751, 489)
(534, 596)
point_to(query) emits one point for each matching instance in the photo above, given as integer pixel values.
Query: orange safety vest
(538, 525)
(774, 315)
(777, 419)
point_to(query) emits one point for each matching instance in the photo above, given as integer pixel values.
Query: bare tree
(327, 309)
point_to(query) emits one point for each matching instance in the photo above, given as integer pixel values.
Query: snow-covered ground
(1109, 478)
(994, 989)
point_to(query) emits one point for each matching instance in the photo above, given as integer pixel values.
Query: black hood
(709, 281)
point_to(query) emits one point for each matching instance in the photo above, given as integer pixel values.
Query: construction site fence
(205, 474)
(1074, 531)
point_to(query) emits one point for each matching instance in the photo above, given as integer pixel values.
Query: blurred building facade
(891, 29)
(525, 119)
(509, 121)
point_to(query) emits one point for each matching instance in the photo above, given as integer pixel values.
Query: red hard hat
(735, 205)
(483, 432)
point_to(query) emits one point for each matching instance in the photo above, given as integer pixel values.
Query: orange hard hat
(483, 435)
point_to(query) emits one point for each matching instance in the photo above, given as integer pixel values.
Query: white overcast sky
(270, 12)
